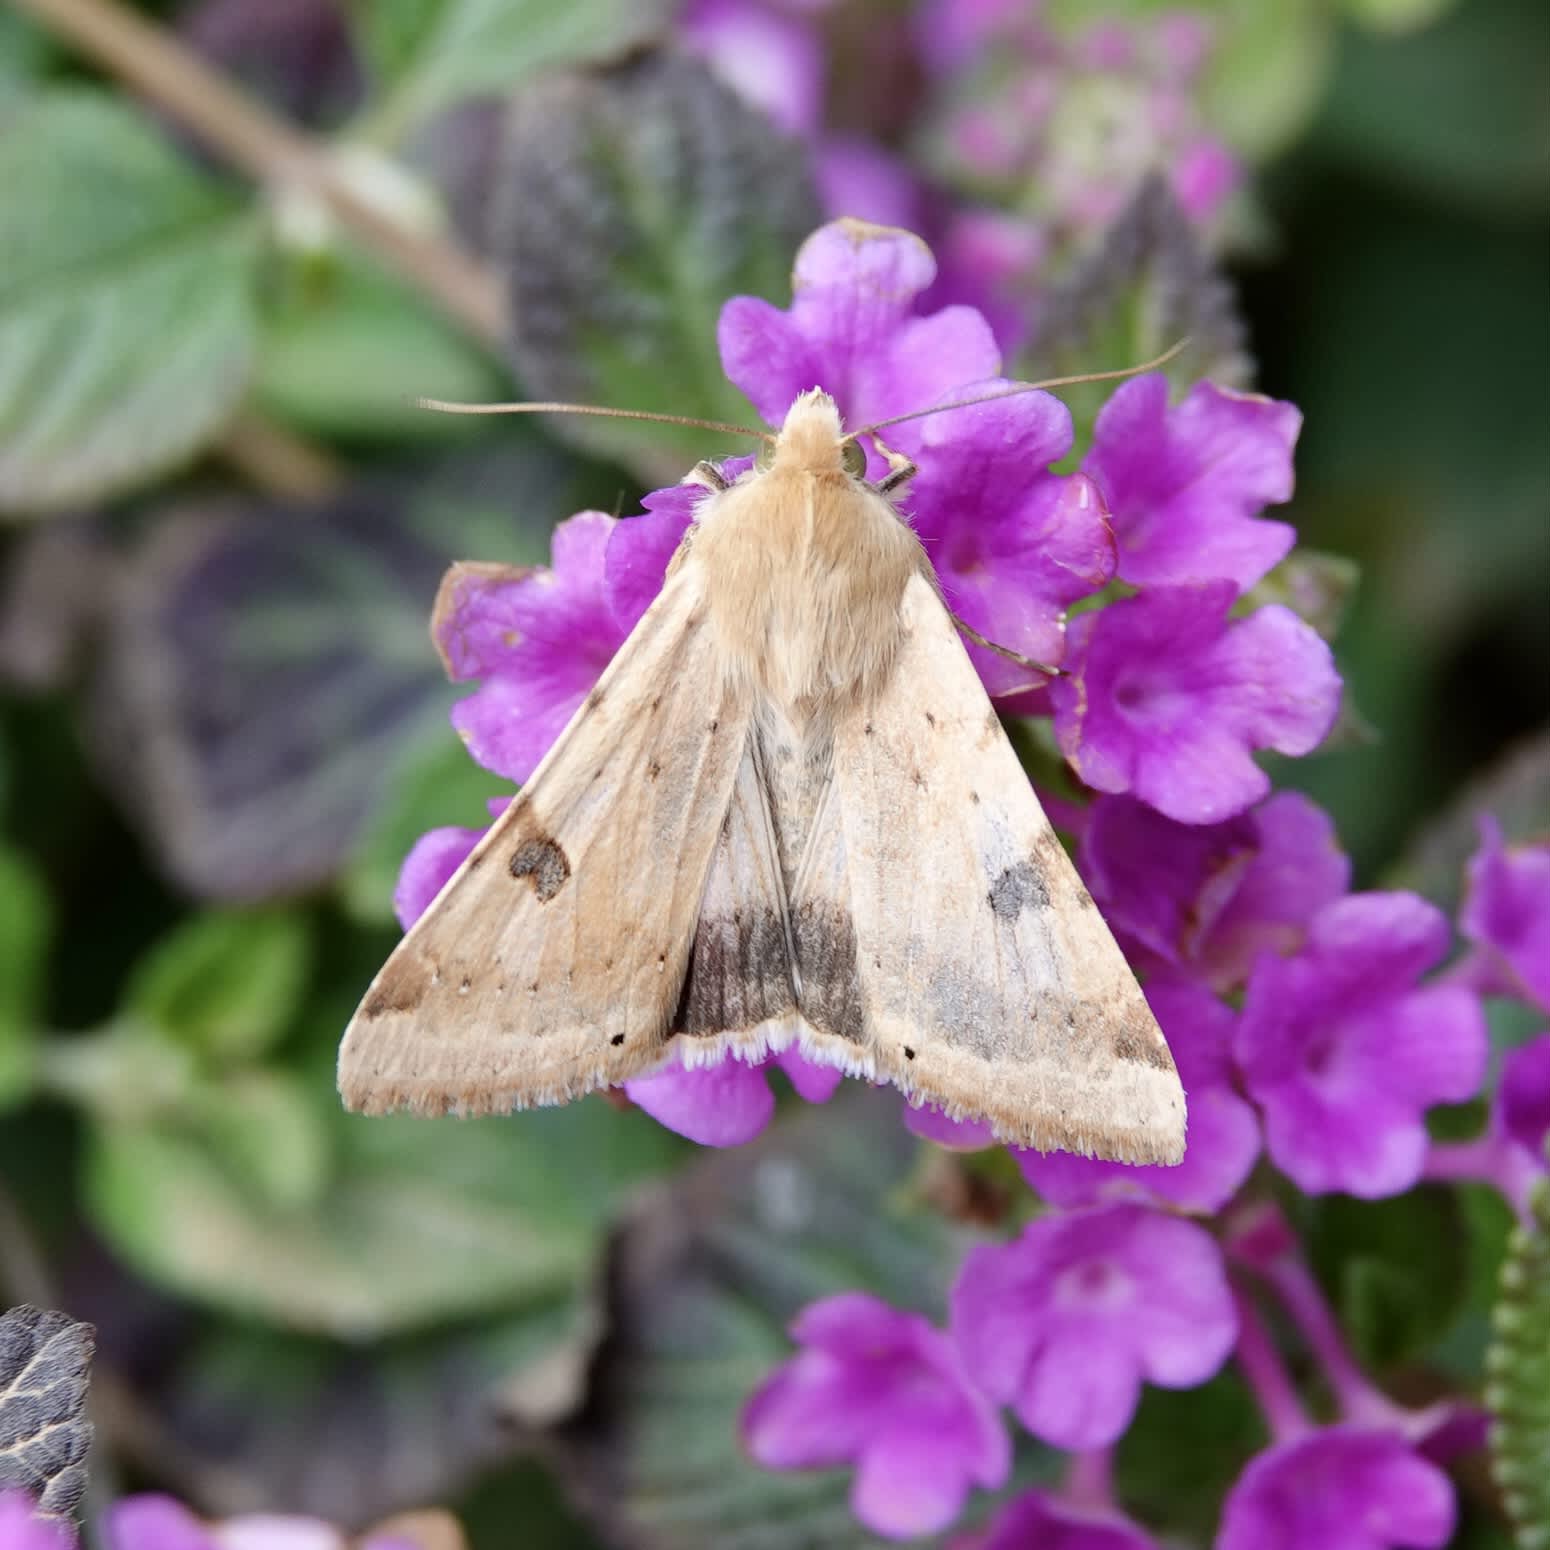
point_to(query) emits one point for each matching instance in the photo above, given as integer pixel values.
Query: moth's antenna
(443, 406)
(1025, 387)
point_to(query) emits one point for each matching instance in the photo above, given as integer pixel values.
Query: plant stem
(1266, 1374)
(155, 64)
(276, 460)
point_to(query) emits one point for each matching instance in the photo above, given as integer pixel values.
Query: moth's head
(813, 441)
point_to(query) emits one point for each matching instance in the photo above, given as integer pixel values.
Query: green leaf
(24, 939)
(126, 315)
(426, 55)
(1518, 1372)
(45, 1362)
(345, 352)
(1149, 284)
(25, 50)
(701, 1287)
(634, 202)
(1268, 73)
(226, 984)
(436, 784)
(1392, 16)
(268, 1130)
(1367, 1253)
(420, 1222)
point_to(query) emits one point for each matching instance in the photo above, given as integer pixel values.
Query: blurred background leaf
(702, 1281)
(267, 671)
(425, 55)
(126, 309)
(632, 202)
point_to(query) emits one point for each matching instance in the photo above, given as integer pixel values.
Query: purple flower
(1014, 544)
(155, 1522)
(1039, 1521)
(958, 1135)
(1342, 1488)
(1065, 1323)
(886, 1392)
(1522, 1109)
(1169, 698)
(1184, 486)
(1210, 897)
(988, 260)
(431, 861)
(770, 57)
(858, 178)
(1508, 908)
(728, 1103)
(22, 1529)
(852, 329)
(537, 641)
(1223, 1141)
(1344, 1054)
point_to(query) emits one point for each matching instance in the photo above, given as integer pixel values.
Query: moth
(787, 814)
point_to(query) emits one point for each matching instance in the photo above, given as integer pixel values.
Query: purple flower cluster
(156, 1522)
(1037, 132)
(1311, 1025)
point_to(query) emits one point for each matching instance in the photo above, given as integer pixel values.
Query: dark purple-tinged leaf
(1148, 284)
(45, 1362)
(632, 202)
(295, 54)
(126, 310)
(426, 55)
(250, 1418)
(267, 670)
(702, 1283)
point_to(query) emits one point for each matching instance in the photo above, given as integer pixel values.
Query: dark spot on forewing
(542, 860)
(1018, 888)
(400, 987)
(1135, 1041)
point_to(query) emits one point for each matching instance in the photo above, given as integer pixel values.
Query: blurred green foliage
(224, 724)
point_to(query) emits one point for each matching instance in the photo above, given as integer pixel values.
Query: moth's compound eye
(853, 459)
(764, 457)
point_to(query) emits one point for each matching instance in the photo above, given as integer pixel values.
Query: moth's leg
(1006, 651)
(900, 469)
(707, 474)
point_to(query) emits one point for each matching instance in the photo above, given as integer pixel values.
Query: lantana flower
(1339, 1488)
(1507, 910)
(1209, 898)
(1037, 1520)
(1344, 1052)
(1185, 485)
(1168, 698)
(884, 1391)
(22, 1528)
(1066, 1322)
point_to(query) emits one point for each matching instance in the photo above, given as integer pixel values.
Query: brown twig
(277, 460)
(270, 150)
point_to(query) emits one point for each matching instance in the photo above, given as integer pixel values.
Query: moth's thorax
(805, 569)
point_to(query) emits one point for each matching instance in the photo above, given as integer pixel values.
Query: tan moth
(787, 813)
